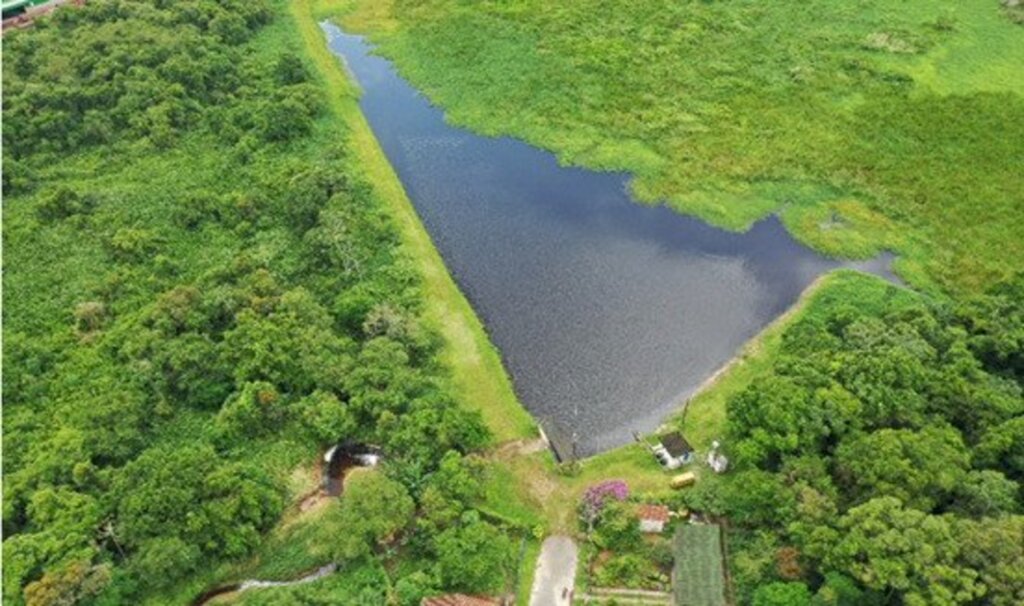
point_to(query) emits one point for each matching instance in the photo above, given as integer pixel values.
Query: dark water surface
(608, 314)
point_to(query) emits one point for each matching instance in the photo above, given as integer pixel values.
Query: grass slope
(478, 374)
(871, 125)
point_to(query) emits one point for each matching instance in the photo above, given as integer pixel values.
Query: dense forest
(880, 460)
(201, 294)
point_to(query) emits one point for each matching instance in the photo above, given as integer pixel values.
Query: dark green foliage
(888, 547)
(995, 548)
(921, 468)
(71, 584)
(124, 69)
(63, 203)
(445, 492)
(618, 528)
(188, 493)
(879, 432)
(200, 295)
(629, 570)
(987, 493)
(782, 594)
(290, 70)
(1002, 446)
(995, 323)
(374, 510)
(473, 555)
(411, 590)
(838, 590)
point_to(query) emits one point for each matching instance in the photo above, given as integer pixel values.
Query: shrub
(782, 594)
(595, 498)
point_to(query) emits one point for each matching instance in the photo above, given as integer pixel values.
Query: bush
(63, 203)
(618, 528)
(629, 570)
(290, 70)
(782, 594)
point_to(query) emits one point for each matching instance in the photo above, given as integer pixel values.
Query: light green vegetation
(527, 572)
(553, 492)
(869, 125)
(698, 567)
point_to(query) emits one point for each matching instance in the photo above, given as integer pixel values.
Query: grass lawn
(698, 568)
(527, 571)
(874, 125)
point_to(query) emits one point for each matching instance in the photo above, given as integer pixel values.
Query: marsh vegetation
(867, 125)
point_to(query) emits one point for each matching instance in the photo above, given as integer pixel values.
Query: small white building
(652, 518)
(716, 460)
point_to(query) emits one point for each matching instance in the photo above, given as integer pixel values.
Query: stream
(316, 575)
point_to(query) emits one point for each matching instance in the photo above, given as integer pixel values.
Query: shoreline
(477, 373)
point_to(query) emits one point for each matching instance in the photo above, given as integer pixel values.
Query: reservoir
(608, 314)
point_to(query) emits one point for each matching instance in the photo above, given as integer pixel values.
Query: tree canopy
(879, 452)
(202, 293)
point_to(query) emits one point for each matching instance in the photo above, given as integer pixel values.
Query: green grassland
(867, 125)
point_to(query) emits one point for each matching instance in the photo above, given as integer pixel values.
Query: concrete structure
(717, 461)
(460, 599)
(555, 578)
(673, 451)
(652, 518)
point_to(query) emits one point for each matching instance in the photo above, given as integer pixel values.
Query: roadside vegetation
(867, 126)
(206, 285)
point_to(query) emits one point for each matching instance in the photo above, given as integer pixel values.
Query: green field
(699, 578)
(871, 125)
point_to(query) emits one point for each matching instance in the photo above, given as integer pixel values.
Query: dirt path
(556, 573)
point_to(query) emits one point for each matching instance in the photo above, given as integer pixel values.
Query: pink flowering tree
(599, 495)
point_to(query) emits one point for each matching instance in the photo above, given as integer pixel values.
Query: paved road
(556, 573)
